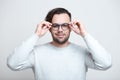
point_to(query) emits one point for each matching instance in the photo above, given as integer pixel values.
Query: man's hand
(42, 28)
(78, 28)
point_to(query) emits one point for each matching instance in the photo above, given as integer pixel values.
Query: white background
(18, 20)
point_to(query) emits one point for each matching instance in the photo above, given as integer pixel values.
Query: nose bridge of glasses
(60, 27)
(57, 26)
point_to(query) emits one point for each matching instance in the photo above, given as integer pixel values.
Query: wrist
(83, 34)
(38, 34)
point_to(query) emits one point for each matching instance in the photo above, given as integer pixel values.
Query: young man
(60, 59)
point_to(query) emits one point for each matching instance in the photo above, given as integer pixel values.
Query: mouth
(60, 35)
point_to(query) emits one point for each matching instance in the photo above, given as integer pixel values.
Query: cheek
(52, 32)
(68, 32)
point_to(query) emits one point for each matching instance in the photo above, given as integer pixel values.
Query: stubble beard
(59, 41)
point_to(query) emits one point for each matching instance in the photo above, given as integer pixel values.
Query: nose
(60, 28)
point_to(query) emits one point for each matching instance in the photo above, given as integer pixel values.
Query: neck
(60, 45)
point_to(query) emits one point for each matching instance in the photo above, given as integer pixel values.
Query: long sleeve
(22, 57)
(98, 57)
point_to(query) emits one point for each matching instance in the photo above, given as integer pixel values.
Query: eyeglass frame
(60, 26)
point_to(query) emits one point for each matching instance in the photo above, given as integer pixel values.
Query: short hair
(54, 11)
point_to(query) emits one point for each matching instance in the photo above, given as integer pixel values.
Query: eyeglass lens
(56, 26)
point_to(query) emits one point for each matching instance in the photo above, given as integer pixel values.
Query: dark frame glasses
(63, 26)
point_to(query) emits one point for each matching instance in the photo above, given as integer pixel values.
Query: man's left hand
(78, 28)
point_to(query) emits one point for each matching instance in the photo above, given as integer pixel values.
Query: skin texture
(60, 37)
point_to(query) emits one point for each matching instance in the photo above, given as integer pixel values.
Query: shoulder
(79, 48)
(41, 46)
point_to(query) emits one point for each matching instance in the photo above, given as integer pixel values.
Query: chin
(61, 41)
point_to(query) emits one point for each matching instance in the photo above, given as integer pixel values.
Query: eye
(55, 25)
(65, 24)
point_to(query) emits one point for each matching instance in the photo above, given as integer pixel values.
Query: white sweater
(52, 63)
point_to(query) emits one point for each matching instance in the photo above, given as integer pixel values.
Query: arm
(23, 56)
(96, 57)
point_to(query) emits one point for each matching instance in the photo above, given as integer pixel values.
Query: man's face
(60, 29)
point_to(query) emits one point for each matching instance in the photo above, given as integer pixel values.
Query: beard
(60, 41)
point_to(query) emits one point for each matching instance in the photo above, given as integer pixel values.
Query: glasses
(56, 26)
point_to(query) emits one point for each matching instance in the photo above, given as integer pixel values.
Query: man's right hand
(42, 28)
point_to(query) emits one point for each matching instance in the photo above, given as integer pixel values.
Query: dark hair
(54, 11)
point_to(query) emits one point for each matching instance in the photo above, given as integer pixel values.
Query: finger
(46, 29)
(48, 24)
(72, 27)
(76, 22)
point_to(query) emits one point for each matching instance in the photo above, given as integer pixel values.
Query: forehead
(61, 18)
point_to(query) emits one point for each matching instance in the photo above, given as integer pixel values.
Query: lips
(60, 35)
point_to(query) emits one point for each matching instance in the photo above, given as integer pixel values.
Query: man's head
(60, 19)
(54, 11)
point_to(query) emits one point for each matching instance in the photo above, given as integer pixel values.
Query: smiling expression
(60, 36)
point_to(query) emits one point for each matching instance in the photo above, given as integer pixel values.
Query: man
(59, 59)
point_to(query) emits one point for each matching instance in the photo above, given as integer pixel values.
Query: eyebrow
(58, 23)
